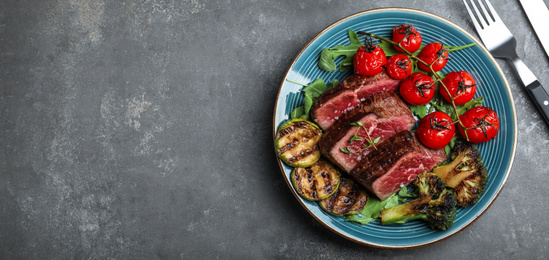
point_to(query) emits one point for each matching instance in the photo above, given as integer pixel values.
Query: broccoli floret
(442, 211)
(428, 185)
(465, 174)
(435, 205)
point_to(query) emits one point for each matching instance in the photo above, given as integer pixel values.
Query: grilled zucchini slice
(316, 182)
(296, 142)
(349, 199)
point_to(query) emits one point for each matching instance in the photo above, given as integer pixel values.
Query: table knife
(538, 14)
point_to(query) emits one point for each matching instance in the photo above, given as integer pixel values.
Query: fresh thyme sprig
(355, 137)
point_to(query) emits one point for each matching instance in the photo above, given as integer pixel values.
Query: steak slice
(383, 114)
(347, 95)
(395, 163)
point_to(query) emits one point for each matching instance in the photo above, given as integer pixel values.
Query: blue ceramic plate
(497, 154)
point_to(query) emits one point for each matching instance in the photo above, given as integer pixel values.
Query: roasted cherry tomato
(435, 54)
(461, 86)
(436, 130)
(417, 89)
(482, 124)
(399, 66)
(408, 37)
(369, 60)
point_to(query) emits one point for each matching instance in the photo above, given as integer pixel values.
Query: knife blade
(538, 14)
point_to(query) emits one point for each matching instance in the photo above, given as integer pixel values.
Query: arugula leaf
(388, 48)
(415, 67)
(332, 84)
(328, 55)
(372, 209)
(448, 148)
(441, 105)
(311, 92)
(419, 110)
(299, 112)
(404, 194)
(473, 103)
(316, 88)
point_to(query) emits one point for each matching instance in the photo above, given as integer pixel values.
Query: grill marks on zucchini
(316, 182)
(297, 142)
(316, 179)
(349, 199)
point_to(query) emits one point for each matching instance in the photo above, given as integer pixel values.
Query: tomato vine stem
(430, 66)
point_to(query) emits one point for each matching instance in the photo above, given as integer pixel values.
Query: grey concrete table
(142, 130)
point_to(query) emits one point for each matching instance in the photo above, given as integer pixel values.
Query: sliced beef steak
(383, 114)
(348, 94)
(395, 163)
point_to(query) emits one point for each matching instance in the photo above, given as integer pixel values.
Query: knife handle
(540, 96)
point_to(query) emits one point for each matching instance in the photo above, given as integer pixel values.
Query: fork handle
(541, 98)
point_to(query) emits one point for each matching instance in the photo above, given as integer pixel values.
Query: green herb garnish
(310, 92)
(355, 137)
(373, 208)
(328, 55)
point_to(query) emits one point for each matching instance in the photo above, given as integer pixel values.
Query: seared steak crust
(387, 154)
(383, 114)
(348, 94)
(382, 104)
(395, 163)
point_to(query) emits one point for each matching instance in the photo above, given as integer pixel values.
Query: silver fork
(502, 44)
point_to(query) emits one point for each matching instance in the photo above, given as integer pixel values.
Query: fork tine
(473, 18)
(480, 16)
(492, 11)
